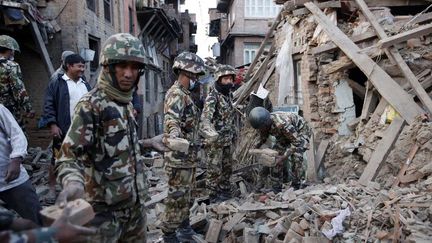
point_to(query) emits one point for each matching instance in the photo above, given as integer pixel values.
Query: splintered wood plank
(384, 84)
(404, 36)
(382, 150)
(215, 227)
(369, 102)
(395, 55)
(322, 148)
(406, 164)
(312, 168)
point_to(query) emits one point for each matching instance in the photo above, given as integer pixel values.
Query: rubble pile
(365, 83)
(341, 213)
(37, 163)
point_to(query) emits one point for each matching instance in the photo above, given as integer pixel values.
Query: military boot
(185, 232)
(170, 238)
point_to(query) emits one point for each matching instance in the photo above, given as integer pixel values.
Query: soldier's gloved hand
(73, 190)
(157, 143)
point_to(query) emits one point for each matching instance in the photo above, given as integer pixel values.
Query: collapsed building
(360, 73)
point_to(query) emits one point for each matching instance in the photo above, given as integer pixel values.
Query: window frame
(108, 10)
(92, 6)
(261, 9)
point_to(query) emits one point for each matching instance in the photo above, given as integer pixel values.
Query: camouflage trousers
(219, 169)
(292, 170)
(181, 180)
(124, 225)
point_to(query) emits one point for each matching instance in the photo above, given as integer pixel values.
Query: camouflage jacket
(291, 131)
(13, 94)
(219, 113)
(101, 149)
(181, 115)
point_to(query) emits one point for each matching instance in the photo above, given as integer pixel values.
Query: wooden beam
(42, 48)
(393, 53)
(249, 85)
(320, 154)
(382, 150)
(420, 19)
(323, 5)
(404, 36)
(406, 164)
(312, 168)
(394, 3)
(385, 85)
(357, 88)
(356, 39)
(369, 103)
(344, 62)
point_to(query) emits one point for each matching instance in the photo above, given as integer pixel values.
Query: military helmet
(189, 62)
(259, 117)
(122, 47)
(223, 70)
(9, 43)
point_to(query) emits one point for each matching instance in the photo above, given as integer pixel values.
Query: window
(148, 126)
(107, 10)
(297, 83)
(147, 87)
(156, 86)
(131, 21)
(249, 52)
(261, 9)
(91, 4)
(94, 44)
(156, 124)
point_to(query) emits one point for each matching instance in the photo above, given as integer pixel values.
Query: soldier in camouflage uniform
(292, 135)
(181, 121)
(13, 94)
(100, 154)
(218, 118)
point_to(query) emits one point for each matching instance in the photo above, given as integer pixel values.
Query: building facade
(240, 26)
(82, 26)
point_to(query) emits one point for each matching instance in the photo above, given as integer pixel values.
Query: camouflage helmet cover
(189, 62)
(224, 70)
(9, 43)
(122, 47)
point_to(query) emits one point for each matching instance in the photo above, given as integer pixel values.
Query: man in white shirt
(16, 189)
(61, 97)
